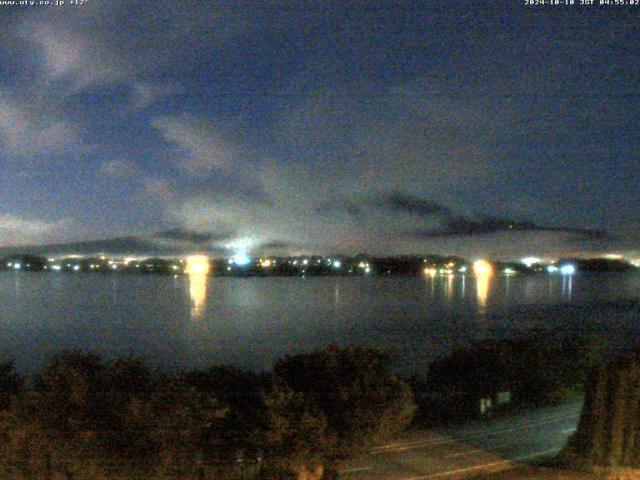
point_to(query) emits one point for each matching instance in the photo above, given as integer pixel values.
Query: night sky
(298, 127)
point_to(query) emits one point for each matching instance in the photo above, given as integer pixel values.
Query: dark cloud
(129, 245)
(406, 203)
(276, 245)
(182, 234)
(461, 226)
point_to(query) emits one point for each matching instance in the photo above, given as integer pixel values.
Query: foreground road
(480, 447)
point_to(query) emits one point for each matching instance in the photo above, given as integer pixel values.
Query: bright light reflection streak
(449, 289)
(197, 269)
(483, 271)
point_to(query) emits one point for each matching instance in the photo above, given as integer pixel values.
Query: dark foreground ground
(512, 447)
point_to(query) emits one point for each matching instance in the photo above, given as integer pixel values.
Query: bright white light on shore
(509, 271)
(567, 269)
(482, 267)
(197, 265)
(337, 264)
(367, 269)
(529, 261)
(462, 269)
(76, 268)
(57, 268)
(240, 247)
(552, 269)
(17, 266)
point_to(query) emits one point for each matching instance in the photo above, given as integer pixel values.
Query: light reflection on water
(198, 293)
(483, 281)
(196, 320)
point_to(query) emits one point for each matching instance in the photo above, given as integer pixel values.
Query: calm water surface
(193, 322)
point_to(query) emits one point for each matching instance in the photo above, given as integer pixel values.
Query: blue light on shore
(568, 269)
(241, 259)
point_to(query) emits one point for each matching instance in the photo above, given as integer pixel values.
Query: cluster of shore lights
(197, 265)
(266, 262)
(447, 270)
(480, 267)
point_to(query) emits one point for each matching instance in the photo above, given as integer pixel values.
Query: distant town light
(305, 262)
(463, 269)
(17, 266)
(430, 271)
(57, 268)
(367, 269)
(552, 269)
(567, 269)
(266, 263)
(509, 271)
(529, 261)
(337, 264)
(76, 268)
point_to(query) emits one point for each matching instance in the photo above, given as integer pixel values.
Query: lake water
(194, 322)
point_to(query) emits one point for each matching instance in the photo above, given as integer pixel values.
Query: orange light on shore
(482, 267)
(197, 265)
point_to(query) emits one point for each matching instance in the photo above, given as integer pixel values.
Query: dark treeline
(84, 418)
